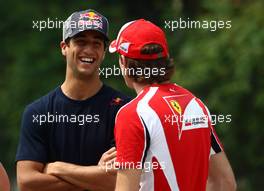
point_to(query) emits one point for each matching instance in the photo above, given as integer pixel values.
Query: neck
(81, 89)
(139, 87)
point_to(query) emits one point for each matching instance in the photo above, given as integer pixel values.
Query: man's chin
(85, 74)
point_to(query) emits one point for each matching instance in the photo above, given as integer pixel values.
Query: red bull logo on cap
(91, 16)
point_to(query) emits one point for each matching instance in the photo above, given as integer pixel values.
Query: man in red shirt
(164, 137)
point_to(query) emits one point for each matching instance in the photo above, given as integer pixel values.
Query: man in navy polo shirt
(66, 135)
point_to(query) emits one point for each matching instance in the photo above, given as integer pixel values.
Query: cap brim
(112, 47)
(104, 35)
(88, 29)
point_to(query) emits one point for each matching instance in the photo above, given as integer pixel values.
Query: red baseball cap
(136, 34)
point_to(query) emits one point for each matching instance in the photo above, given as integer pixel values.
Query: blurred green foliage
(223, 68)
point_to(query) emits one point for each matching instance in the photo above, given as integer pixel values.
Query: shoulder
(189, 97)
(115, 97)
(129, 110)
(193, 104)
(41, 104)
(113, 92)
(181, 90)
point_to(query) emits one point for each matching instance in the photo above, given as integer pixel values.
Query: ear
(122, 61)
(63, 46)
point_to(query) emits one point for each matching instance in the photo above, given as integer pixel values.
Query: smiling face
(84, 54)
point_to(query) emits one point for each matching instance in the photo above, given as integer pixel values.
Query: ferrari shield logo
(176, 106)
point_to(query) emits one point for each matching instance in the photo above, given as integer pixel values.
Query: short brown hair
(164, 64)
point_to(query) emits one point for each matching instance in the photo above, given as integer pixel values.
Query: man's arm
(128, 180)
(30, 177)
(4, 181)
(32, 145)
(97, 178)
(88, 177)
(221, 176)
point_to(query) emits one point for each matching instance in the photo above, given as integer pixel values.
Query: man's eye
(97, 44)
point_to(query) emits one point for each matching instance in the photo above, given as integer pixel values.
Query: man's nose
(88, 48)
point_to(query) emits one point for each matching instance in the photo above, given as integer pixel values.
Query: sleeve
(130, 140)
(32, 143)
(216, 145)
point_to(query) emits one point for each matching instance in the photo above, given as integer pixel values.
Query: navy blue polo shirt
(57, 128)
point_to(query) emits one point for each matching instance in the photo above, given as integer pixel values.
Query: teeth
(87, 60)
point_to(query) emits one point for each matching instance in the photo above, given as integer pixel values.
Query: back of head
(144, 46)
